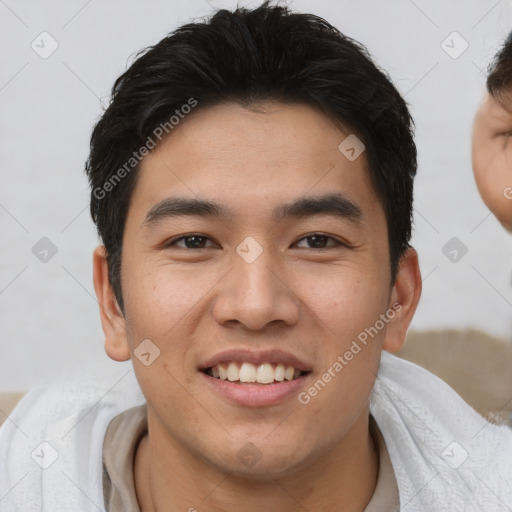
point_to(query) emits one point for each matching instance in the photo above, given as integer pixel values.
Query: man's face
(492, 156)
(266, 281)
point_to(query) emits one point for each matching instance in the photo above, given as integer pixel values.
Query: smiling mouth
(248, 373)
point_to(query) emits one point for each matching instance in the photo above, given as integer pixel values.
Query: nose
(255, 295)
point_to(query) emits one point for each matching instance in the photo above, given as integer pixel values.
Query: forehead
(499, 106)
(256, 159)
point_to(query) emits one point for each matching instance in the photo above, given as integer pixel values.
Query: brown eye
(318, 241)
(189, 242)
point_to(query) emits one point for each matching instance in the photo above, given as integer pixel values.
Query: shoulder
(61, 402)
(54, 439)
(443, 452)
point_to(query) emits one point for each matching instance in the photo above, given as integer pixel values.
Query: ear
(112, 319)
(405, 296)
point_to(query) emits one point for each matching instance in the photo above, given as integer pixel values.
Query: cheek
(160, 296)
(352, 315)
(492, 167)
(161, 304)
(159, 307)
(347, 300)
(352, 333)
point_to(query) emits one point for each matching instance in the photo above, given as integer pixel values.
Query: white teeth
(265, 373)
(233, 372)
(279, 373)
(247, 373)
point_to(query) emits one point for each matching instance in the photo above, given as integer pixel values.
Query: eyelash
(337, 243)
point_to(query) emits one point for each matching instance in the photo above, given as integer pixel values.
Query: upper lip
(257, 357)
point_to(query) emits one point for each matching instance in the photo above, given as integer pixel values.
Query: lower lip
(256, 395)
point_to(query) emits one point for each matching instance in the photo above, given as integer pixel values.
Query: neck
(343, 478)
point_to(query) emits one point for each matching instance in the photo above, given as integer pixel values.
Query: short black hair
(251, 57)
(499, 79)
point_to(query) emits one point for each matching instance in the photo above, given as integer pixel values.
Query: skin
(492, 156)
(310, 301)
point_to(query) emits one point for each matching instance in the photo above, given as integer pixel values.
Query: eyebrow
(336, 205)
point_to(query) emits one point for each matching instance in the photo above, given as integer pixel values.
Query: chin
(251, 463)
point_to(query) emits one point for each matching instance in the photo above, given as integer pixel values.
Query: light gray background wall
(48, 311)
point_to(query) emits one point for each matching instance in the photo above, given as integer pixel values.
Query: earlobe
(406, 293)
(112, 320)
